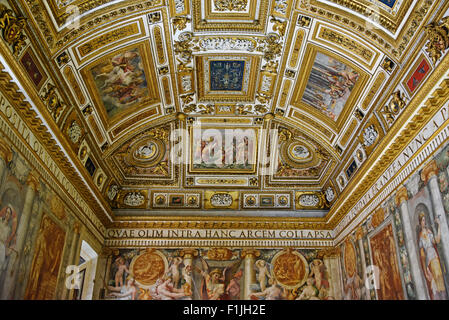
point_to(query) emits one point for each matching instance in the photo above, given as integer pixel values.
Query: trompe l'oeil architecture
(224, 149)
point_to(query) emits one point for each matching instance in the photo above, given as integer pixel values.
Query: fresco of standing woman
(430, 260)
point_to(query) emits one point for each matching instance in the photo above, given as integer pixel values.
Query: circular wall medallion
(146, 151)
(283, 200)
(192, 200)
(148, 267)
(290, 268)
(250, 201)
(160, 200)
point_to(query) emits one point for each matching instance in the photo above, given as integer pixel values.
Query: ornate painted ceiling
(242, 108)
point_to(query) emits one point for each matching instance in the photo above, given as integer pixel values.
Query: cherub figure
(173, 269)
(262, 268)
(121, 269)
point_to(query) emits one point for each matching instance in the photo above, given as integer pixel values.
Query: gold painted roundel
(350, 259)
(148, 267)
(290, 269)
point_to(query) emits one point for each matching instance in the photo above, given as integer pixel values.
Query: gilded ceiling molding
(382, 40)
(12, 27)
(426, 110)
(58, 40)
(40, 130)
(189, 243)
(219, 223)
(438, 34)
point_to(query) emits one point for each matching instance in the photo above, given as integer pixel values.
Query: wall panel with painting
(37, 231)
(406, 238)
(219, 274)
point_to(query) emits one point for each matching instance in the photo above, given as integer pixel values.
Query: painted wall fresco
(46, 262)
(216, 274)
(36, 230)
(407, 238)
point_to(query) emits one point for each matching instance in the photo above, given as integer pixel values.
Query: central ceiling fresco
(207, 107)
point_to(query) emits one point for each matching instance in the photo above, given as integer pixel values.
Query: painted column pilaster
(359, 236)
(68, 293)
(331, 258)
(401, 202)
(429, 176)
(102, 263)
(188, 255)
(249, 256)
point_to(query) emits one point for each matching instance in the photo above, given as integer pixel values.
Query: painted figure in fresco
(121, 269)
(213, 286)
(310, 291)
(384, 256)
(216, 281)
(46, 261)
(262, 268)
(353, 288)
(318, 272)
(430, 259)
(233, 289)
(273, 292)
(173, 270)
(125, 292)
(8, 226)
(164, 290)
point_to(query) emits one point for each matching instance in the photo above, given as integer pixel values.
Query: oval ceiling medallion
(298, 152)
(146, 153)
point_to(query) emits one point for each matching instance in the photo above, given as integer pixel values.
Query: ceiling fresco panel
(122, 82)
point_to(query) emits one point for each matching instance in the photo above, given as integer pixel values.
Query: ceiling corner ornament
(12, 29)
(392, 109)
(134, 199)
(180, 23)
(74, 132)
(438, 33)
(221, 200)
(112, 192)
(310, 200)
(370, 135)
(330, 194)
(52, 101)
